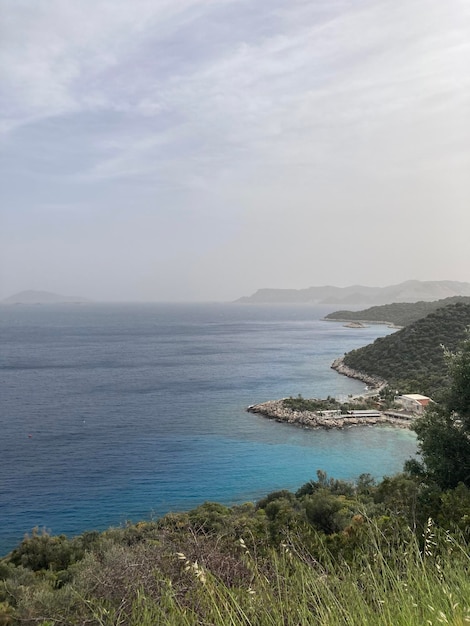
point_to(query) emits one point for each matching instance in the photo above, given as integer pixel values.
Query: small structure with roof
(413, 402)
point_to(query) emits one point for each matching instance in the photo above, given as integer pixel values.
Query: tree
(444, 432)
(458, 395)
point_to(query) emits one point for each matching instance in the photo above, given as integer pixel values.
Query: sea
(118, 412)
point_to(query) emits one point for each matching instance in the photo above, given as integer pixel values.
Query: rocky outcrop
(275, 409)
(374, 382)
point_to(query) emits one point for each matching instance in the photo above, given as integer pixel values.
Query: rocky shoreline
(275, 409)
(366, 323)
(373, 382)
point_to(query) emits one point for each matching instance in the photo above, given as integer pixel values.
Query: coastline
(275, 409)
(365, 322)
(375, 383)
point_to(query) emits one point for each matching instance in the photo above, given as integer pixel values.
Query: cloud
(341, 67)
(241, 118)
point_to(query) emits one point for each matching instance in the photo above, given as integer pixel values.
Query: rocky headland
(374, 383)
(276, 410)
(280, 410)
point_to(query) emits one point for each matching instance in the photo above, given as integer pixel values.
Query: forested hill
(398, 313)
(412, 359)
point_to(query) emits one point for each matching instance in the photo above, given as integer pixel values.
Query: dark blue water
(116, 412)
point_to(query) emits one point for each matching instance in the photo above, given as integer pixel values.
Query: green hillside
(331, 554)
(412, 359)
(398, 313)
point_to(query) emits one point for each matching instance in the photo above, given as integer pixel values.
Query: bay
(127, 411)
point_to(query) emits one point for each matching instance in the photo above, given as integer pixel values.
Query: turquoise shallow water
(121, 412)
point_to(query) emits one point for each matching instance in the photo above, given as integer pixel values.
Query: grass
(410, 586)
(375, 572)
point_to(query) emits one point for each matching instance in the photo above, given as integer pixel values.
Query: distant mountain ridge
(41, 297)
(408, 291)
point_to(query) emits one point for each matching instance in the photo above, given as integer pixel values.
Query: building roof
(417, 397)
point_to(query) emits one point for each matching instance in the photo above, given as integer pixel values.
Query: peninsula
(311, 414)
(395, 315)
(410, 360)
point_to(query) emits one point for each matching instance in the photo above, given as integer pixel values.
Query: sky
(185, 150)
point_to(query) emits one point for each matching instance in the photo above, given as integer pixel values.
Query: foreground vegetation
(332, 553)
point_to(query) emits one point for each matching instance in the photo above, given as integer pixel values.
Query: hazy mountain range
(41, 297)
(409, 291)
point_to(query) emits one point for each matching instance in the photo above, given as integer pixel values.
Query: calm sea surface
(118, 412)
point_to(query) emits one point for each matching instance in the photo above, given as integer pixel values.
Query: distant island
(408, 291)
(42, 297)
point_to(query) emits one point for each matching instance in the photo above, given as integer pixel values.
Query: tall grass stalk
(408, 586)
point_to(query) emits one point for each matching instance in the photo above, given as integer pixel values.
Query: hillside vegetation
(412, 359)
(331, 554)
(398, 313)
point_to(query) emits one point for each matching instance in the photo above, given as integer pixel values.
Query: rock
(374, 382)
(275, 409)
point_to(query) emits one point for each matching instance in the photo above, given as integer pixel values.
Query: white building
(413, 402)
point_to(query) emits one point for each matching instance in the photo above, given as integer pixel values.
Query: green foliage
(454, 511)
(408, 499)
(311, 404)
(412, 360)
(316, 405)
(295, 589)
(457, 398)
(332, 485)
(326, 512)
(398, 313)
(444, 445)
(444, 432)
(40, 551)
(338, 559)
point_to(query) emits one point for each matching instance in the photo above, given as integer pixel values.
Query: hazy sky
(201, 149)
